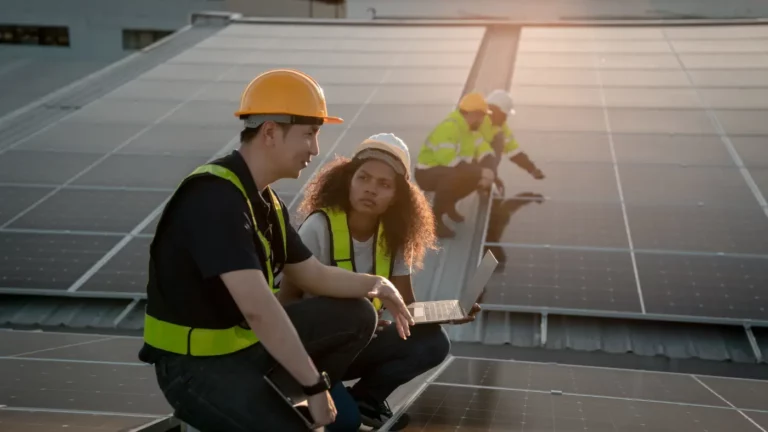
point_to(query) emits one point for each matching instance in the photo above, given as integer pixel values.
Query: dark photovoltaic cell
(36, 421)
(184, 140)
(108, 349)
(675, 149)
(705, 228)
(15, 199)
(49, 261)
(685, 185)
(124, 272)
(73, 136)
(24, 166)
(568, 223)
(587, 381)
(747, 394)
(704, 285)
(15, 343)
(155, 171)
(92, 210)
(564, 279)
(81, 386)
(564, 147)
(442, 407)
(587, 182)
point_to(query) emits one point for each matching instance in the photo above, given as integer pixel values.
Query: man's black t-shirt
(207, 231)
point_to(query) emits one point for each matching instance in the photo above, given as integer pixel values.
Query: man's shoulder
(209, 191)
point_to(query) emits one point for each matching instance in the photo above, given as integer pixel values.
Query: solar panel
(488, 395)
(75, 380)
(101, 174)
(654, 197)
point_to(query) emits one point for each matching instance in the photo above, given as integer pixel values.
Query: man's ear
(270, 130)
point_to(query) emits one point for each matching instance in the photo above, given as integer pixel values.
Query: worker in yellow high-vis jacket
(214, 327)
(446, 162)
(498, 140)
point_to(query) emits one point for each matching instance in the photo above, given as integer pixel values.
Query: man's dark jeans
(228, 393)
(450, 184)
(389, 361)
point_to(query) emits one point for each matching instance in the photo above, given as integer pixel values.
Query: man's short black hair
(248, 134)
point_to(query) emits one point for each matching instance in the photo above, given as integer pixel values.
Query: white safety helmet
(387, 148)
(503, 100)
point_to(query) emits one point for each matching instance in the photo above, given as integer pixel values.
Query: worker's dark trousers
(450, 184)
(389, 361)
(228, 393)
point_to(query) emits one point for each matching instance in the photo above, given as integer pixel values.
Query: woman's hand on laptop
(392, 301)
(470, 317)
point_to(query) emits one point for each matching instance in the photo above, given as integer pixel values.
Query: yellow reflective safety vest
(342, 249)
(450, 143)
(488, 132)
(195, 341)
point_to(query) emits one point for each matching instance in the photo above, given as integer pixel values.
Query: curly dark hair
(409, 224)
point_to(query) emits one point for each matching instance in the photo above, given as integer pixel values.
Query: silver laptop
(448, 311)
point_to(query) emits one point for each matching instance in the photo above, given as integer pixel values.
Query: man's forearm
(278, 335)
(340, 283)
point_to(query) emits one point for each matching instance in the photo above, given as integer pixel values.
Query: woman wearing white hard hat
(365, 215)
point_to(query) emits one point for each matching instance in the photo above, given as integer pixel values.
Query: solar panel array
(80, 198)
(489, 395)
(654, 142)
(50, 381)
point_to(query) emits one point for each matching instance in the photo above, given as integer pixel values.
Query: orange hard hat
(474, 101)
(287, 92)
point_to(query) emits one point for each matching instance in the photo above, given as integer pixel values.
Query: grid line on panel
(740, 411)
(631, 399)
(619, 187)
(86, 187)
(110, 153)
(720, 130)
(136, 232)
(144, 223)
(626, 250)
(300, 193)
(93, 87)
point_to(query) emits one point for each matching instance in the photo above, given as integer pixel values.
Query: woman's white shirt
(314, 233)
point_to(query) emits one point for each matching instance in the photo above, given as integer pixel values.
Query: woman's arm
(401, 279)
(403, 284)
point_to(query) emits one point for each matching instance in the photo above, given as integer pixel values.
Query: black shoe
(374, 415)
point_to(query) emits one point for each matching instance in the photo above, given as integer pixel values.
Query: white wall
(95, 26)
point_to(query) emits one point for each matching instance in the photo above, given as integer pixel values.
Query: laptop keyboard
(437, 310)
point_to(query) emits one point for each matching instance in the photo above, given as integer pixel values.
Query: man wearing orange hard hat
(446, 163)
(214, 328)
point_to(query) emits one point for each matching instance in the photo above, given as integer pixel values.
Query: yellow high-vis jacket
(450, 143)
(488, 132)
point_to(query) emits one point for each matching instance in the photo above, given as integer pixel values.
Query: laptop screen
(479, 280)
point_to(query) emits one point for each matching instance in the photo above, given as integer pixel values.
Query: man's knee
(439, 347)
(358, 312)
(433, 345)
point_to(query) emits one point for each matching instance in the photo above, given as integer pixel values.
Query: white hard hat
(501, 99)
(388, 148)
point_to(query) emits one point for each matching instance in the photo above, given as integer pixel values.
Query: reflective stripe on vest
(196, 341)
(343, 250)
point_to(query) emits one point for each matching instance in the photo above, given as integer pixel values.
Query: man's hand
(537, 174)
(322, 408)
(486, 179)
(392, 300)
(470, 317)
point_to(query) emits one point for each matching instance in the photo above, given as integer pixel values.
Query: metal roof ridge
(204, 17)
